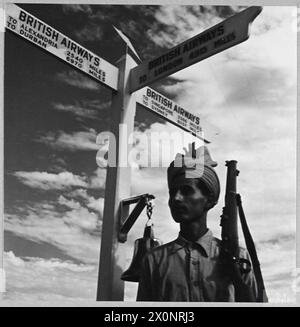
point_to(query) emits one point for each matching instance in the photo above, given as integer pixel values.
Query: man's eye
(186, 190)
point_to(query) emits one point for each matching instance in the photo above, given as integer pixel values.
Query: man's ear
(209, 202)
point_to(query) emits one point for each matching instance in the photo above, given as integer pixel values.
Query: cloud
(35, 280)
(56, 164)
(63, 181)
(90, 32)
(71, 223)
(281, 254)
(71, 204)
(78, 80)
(97, 179)
(81, 217)
(274, 18)
(79, 193)
(84, 109)
(76, 141)
(96, 204)
(175, 23)
(70, 226)
(89, 201)
(31, 280)
(77, 111)
(48, 181)
(87, 9)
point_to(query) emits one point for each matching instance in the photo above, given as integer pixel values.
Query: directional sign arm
(170, 111)
(218, 38)
(43, 35)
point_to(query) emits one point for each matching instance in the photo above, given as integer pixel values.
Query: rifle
(229, 235)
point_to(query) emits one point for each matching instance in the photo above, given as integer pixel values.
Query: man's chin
(181, 218)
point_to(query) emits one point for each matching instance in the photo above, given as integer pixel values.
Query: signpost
(117, 188)
(41, 34)
(220, 37)
(170, 111)
(125, 79)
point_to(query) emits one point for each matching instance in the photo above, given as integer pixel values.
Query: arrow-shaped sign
(220, 37)
(170, 111)
(43, 35)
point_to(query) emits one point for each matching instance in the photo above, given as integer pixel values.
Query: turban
(199, 165)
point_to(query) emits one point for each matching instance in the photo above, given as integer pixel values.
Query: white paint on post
(118, 182)
(218, 38)
(44, 36)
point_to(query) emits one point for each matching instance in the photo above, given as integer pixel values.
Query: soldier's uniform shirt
(188, 271)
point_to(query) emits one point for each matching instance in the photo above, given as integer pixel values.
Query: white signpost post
(126, 79)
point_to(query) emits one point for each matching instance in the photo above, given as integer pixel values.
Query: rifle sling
(262, 296)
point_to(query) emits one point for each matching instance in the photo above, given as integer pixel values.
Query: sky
(54, 190)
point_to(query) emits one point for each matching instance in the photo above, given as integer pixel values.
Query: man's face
(186, 201)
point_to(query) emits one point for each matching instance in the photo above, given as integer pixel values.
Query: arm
(244, 283)
(244, 291)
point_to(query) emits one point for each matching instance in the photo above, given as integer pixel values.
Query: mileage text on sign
(218, 38)
(169, 110)
(34, 30)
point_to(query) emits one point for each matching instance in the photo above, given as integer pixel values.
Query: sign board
(41, 34)
(220, 37)
(170, 111)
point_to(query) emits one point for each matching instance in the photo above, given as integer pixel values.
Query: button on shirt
(188, 271)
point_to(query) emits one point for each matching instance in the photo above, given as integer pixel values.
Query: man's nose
(178, 197)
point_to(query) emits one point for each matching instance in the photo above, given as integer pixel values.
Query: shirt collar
(204, 242)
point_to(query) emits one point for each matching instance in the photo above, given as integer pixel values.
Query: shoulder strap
(262, 296)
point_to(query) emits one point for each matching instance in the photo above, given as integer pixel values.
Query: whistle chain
(149, 210)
